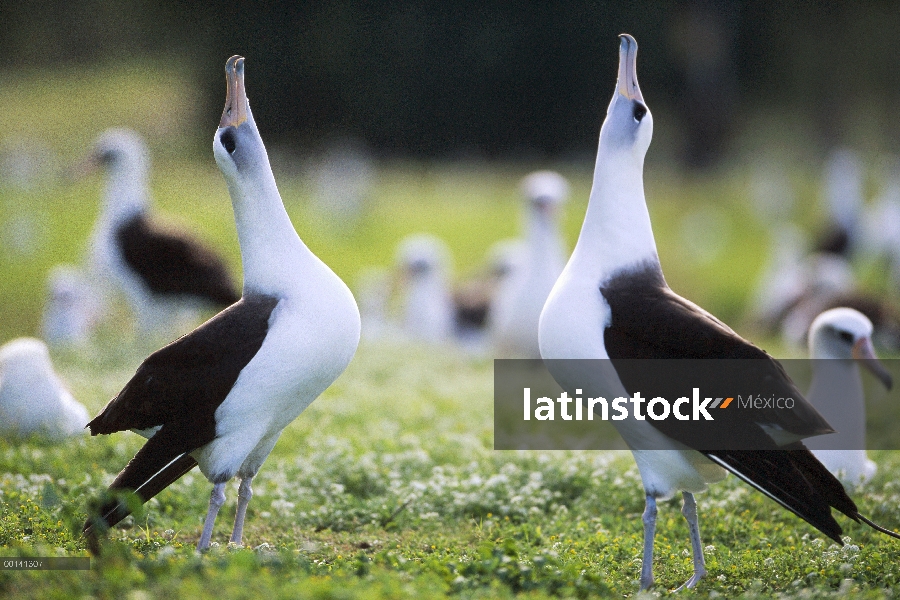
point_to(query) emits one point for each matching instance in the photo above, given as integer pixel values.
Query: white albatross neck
(616, 233)
(274, 257)
(125, 193)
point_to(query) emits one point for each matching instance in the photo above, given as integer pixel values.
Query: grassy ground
(388, 485)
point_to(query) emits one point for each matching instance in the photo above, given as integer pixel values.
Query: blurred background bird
(516, 308)
(33, 398)
(424, 271)
(165, 273)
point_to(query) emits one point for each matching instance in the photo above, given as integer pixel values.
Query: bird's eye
(846, 336)
(639, 111)
(228, 142)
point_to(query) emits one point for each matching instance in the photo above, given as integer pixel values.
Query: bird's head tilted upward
(628, 127)
(238, 147)
(845, 333)
(271, 250)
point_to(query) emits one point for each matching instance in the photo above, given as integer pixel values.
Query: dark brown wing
(178, 388)
(652, 323)
(649, 321)
(173, 263)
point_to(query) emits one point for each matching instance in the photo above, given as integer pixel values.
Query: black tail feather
(823, 481)
(789, 478)
(878, 527)
(796, 479)
(152, 469)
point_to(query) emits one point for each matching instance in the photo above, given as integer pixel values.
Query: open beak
(865, 354)
(235, 111)
(628, 83)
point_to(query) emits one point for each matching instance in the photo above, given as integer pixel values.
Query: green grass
(388, 487)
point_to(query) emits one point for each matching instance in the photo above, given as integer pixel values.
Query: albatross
(840, 340)
(612, 302)
(33, 399)
(220, 396)
(423, 264)
(516, 310)
(161, 270)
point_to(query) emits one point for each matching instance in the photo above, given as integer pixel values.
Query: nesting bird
(428, 313)
(516, 309)
(33, 399)
(474, 298)
(840, 340)
(220, 396)
(162, 271)
(612, 302)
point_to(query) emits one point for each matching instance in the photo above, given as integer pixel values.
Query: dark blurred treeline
(490, 78)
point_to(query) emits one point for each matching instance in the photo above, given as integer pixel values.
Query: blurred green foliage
(712, 240)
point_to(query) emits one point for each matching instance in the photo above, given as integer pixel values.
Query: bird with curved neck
(612, 302)
(221, 395)
(162, 271)
(840, 340)
(516, 310)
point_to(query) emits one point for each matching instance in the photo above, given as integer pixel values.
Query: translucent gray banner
(45, 563)
(714, 405)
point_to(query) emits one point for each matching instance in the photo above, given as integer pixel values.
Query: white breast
(573, 318)
(311, 340)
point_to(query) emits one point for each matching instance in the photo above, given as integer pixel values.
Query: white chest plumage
(311, 340)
